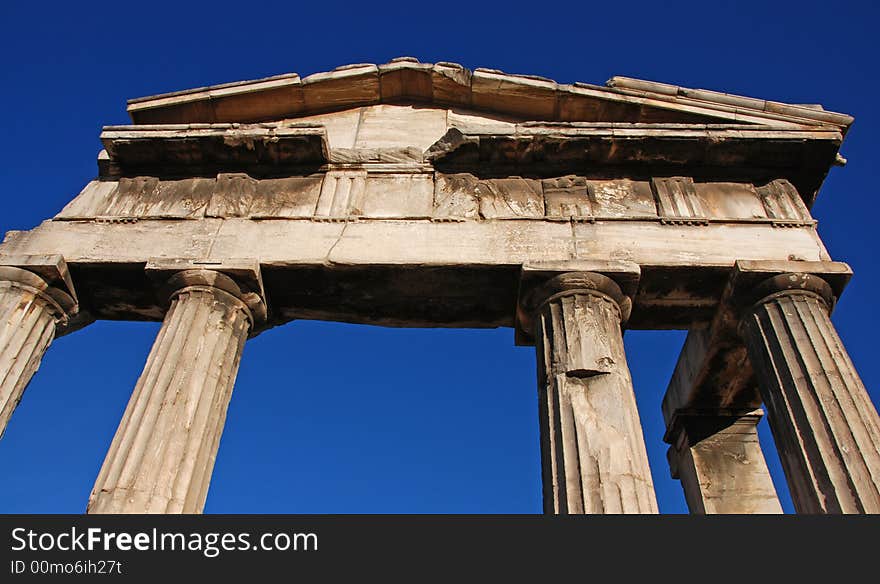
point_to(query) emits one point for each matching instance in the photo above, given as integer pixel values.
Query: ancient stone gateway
(410, 194)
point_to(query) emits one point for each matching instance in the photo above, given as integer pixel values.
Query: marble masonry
(416, 194)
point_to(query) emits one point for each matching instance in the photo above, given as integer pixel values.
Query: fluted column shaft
(594, 457)
(718, 459)
(825, 426)
(28, 317)
(162, 456)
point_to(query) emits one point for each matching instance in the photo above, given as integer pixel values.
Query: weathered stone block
(567, 196)
(463, 195)
(505, 198)
(293, 197)
(532, 97)
(398, 196)
(677, 200)
(782, 201)
(406, 78)
(727, 200)
(342, 194)
(391, 126)
(622, 198)
(451, 84)
(342, 87)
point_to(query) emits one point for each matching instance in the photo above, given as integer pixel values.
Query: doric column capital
(541, 284)
(580, 283)
(236, 282)
(223, 288)
(793, 284)
(755, 282)
(36, 300)
(47, 278)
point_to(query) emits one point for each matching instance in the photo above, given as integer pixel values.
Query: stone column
(594, 458)
(825, 426)
(162, 456)
(716, 456)
(30, 311)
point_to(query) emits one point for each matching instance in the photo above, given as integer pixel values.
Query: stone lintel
(533, 275)
(244, 272)
(469, 269)
(713, 373)
(716, 454)
(698, 423)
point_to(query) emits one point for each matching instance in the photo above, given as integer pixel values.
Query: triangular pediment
(449, 85)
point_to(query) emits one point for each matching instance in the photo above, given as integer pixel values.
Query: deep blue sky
(422, 421)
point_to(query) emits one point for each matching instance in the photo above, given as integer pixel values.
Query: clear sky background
(330, 417)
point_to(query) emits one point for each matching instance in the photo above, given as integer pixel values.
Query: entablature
(494, 149)
(412, 194)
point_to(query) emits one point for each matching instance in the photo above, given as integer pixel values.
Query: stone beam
(713, 371)
(711, 409)
(468, 264)
(716, 455)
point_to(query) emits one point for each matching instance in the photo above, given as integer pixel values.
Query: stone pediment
(449, 85)
(447, 118)
(427, 137)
